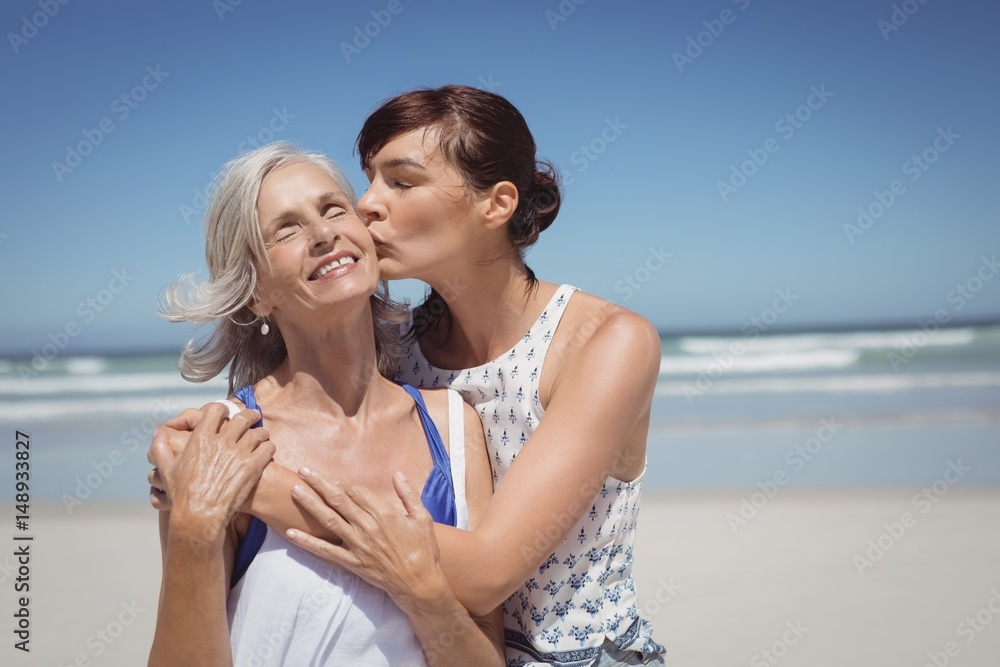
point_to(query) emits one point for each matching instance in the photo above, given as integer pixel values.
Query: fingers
(185, 421)
(176, 432)
(160, 453)
(335, 497)
(253, 439)
(408, 495)
(262, 455)
(240, 424)
(176, 439)
(211, 422)
(329, 518)
(367, 501)
(159, 499)
(155, 480)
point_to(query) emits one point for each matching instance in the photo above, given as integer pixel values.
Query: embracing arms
(594, 426)
(411, 572)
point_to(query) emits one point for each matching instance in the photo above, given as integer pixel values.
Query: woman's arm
(600, 402)
(409, 571)
(446, 631)
(191, 625)
(206, 484)
(413, 577)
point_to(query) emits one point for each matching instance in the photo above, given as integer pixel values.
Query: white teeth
(343, 261)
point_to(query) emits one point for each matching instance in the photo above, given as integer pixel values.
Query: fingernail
(298, 491)
(305, 472)
(291, 533)
(400, 476)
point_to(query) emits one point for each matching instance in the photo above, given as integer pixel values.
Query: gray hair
(236, 255)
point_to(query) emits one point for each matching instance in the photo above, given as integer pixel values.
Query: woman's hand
(176, 432)
(213, 475)
(387, 547)
(396, 551)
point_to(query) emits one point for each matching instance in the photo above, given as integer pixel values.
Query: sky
(721, 158)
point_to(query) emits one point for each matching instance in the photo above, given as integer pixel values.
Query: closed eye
(286, 231)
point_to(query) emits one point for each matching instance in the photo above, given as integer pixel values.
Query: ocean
(837, 409)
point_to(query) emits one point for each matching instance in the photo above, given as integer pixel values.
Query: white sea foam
(874, 383)
(757, 363)
(862, 340)
(102, 384)
(86, 365)
(949, 417)
(88, 408)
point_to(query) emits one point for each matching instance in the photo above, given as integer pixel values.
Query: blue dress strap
(439, 492)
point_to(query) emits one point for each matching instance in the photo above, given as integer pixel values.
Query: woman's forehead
(421, 145)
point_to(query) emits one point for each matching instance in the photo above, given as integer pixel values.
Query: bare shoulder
(599, 337)
(594, 325)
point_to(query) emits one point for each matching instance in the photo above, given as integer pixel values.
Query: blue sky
(644, 138)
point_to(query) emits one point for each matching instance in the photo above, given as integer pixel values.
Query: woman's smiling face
(319, 249)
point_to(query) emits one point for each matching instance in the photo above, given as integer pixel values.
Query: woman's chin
(390, 269)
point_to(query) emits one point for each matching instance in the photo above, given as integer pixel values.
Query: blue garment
(438, 495)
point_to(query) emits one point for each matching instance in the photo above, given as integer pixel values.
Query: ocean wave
(881, 383)
(86, 365)
(862, 340)
(159, 407)
(102, 384)
(953, 418)
(756, 363)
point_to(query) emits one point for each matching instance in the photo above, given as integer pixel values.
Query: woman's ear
(500, 204)
(260, 306)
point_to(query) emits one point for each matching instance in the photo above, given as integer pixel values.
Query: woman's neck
(490, 306)
(332, 369)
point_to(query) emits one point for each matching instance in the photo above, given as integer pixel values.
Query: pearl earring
(264, 329)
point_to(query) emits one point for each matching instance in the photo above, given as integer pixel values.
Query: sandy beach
(796, 584)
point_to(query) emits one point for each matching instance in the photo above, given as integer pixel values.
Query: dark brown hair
(487, 139)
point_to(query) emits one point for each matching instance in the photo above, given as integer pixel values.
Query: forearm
(271, 502)
(450, 637)
(191, 625)
(479, 589)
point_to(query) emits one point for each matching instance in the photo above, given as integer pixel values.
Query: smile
(337, 263)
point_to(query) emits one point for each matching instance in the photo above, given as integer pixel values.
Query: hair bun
(540, 207)
(546, 195)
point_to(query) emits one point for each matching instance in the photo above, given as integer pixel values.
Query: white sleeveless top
(583, 594)
(294, 609)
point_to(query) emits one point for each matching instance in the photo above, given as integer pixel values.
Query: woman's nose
(369, 207)
(324, 232)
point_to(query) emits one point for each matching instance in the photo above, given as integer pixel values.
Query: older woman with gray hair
(309, 335)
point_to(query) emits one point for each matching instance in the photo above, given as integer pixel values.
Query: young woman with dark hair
(563, 382)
